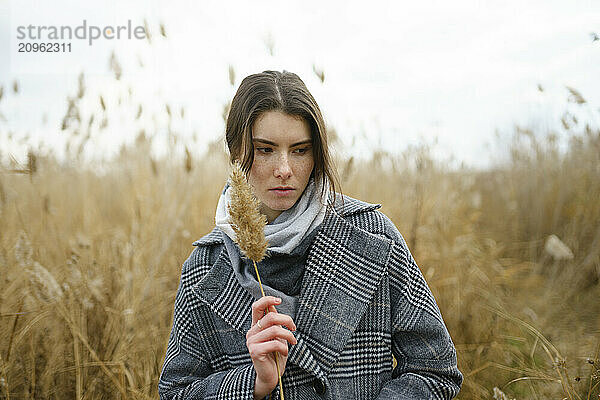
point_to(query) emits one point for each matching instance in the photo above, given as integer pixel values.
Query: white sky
(396, 72)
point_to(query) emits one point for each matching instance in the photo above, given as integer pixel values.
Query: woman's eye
(301, 151)
(264, 149)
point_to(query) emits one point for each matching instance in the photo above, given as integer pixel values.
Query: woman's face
(283, 161)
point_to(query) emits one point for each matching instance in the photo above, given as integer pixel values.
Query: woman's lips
(282, 192)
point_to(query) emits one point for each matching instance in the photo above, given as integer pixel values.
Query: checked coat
(363, 298)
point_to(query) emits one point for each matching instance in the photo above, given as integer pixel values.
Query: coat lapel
(221, 291)
(343, 269)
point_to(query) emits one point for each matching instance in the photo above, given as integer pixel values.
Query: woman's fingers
(260, 307)
(265, 349)
(271, 333)
(268, 336)
(272, 319)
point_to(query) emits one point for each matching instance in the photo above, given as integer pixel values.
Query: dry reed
(247, 221)
(249, 226)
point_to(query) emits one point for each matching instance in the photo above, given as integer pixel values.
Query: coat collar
(343, 269)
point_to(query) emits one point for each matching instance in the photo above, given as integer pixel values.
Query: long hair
(285, 92)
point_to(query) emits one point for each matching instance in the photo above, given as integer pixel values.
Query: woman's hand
(265, 338)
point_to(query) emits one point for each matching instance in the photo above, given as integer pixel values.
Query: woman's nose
(283, 169)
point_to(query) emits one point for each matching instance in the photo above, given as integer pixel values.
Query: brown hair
(285, 92)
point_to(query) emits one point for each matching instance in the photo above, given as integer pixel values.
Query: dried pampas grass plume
(246, 220)
(249, 227)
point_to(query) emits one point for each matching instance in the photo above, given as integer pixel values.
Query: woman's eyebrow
(265, 141)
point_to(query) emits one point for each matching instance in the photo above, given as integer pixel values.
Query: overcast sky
(396, 73)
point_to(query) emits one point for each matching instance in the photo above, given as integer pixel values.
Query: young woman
(346, 290)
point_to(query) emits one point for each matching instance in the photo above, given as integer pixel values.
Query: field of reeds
(90, 256)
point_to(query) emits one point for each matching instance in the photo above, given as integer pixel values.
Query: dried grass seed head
(246, 220)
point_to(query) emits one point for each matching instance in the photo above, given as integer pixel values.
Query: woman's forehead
(280, 128)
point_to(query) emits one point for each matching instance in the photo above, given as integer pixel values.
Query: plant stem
(276, 353)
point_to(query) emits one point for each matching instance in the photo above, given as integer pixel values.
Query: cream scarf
(291, 226)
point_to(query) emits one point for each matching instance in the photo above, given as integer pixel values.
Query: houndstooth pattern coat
(363, 298)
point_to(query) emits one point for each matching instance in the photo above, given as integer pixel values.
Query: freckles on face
(283, 161)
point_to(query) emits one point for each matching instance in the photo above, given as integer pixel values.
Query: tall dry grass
(90, 262)
(89, 272)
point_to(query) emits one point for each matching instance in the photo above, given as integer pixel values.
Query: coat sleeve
(426, 357)
(187, 372)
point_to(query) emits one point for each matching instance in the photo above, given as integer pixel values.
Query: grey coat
(363, 299)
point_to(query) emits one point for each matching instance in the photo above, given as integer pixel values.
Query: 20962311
(27, 47)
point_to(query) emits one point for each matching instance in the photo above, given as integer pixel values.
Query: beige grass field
(90, 256)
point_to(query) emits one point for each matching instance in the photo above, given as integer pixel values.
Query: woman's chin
(282, 205)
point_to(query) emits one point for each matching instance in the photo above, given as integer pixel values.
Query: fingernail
(277, 300)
